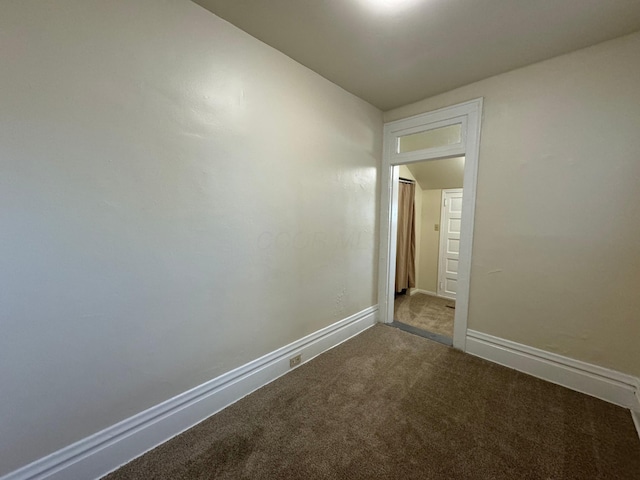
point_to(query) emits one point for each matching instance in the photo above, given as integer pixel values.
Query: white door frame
(442, 246)
(467, 114)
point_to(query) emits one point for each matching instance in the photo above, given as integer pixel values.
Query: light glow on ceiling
(390, 6)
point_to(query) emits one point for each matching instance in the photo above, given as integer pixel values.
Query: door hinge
(445, 202)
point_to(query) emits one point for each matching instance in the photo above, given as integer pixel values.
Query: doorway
(427, 247)
(451, 132)
(449, 248)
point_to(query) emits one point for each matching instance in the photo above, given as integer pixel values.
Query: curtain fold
(406, 244)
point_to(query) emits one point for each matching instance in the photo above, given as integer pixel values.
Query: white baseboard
(635, 413)
(636, 420)
(107, 450)
(608, 385)
(426, 292)
(429, 292)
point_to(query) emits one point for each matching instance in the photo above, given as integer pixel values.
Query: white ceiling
(394, 52)
(445, 173)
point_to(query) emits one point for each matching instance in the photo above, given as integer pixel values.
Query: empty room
(299, 239)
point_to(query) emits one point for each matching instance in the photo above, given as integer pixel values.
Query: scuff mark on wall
(339, 304)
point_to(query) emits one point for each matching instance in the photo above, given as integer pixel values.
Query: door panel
(449, 242)
(452, 265)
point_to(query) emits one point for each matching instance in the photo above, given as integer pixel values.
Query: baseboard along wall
(599, 382)
(107, 450)
(636, 421)
(635, 413)
(426, 292)
(419, 290)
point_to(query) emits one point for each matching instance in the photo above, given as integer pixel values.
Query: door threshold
(436, 337)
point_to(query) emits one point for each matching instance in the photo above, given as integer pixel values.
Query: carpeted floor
(426, 312)
(391, 405)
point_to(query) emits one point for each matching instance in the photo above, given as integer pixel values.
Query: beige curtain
(406, 249)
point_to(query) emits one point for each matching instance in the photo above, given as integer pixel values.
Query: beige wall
(406, 173)
(438, 137)
(442, 173)
(430, 240)
(556, 255)
(176, 199)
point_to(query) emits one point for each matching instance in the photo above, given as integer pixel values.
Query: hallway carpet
(425, 312)
(391, 405)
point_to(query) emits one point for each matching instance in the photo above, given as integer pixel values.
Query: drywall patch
(339, 303)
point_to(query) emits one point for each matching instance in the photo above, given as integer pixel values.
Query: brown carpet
(425, 312)
(391, 405)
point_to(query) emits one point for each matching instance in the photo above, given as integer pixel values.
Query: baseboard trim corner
(599, 382)
(428, 292)
(635, 412)
(636, 420)
(105, 451)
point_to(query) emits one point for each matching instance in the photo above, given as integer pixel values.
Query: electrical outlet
(436, 227)
(295, 361)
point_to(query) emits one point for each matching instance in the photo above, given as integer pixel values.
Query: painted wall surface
(556, 255)
(439, 137)
(430, 240)
(176, 199)
(406, 173)
(442, 173)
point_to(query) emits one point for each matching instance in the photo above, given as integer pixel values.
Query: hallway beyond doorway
(426, 312)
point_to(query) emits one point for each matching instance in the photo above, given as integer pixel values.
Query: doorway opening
(445, 134)
(430, 197)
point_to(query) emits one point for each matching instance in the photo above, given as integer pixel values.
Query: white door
(450, 221)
